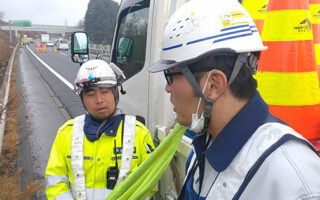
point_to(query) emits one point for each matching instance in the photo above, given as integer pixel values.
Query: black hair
(244, 85)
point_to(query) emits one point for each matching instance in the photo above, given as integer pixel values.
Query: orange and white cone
(257, 9)
(287, 75)
(315, 21)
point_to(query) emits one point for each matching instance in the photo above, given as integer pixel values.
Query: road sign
(21, 23)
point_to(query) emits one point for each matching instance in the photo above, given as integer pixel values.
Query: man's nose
(168, 88)
(99, 98)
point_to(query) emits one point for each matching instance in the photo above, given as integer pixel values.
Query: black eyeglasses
(169, 76)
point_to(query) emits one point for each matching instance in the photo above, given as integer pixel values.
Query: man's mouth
(103, 109)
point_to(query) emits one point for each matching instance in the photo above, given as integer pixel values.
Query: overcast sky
(47, 12)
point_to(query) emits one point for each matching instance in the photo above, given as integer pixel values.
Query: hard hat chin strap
(207, 115)
(241, 59)
(209, 102)
(115, 95)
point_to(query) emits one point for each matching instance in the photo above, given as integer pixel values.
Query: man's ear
(217, 84)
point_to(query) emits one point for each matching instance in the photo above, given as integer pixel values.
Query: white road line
(52, 71)
(64, 54)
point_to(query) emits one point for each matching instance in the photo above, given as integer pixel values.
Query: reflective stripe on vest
(54, 180)
(79, 189)
(77, 158)
(94, 193)
(64, 196)
(127, 147)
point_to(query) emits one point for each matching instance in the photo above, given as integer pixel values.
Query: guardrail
(4, 95)
(99, 48)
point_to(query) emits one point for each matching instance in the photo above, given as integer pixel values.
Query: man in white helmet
(92, 153)
(209, 52)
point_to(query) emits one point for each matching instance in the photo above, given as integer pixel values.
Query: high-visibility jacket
(98, 157)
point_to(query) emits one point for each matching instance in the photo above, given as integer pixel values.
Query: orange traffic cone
(257, 10)
(55, 50)
(287, 75)
(315, 21)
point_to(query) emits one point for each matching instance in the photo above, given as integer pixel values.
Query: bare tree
(65, 22)
(81, 23)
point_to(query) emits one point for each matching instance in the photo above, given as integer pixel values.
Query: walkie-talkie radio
(113, 172)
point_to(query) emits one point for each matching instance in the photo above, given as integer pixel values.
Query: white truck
(45, 38)
(136, 45)
(62, 44)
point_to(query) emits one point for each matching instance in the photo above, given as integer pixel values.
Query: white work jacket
(272, 163)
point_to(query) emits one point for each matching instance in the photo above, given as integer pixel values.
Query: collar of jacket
(110, 128)
(234, 135)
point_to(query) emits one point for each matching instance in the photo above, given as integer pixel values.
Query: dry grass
(4, 47)
(10, 187)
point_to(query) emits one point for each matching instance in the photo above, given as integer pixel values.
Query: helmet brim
(162, 65)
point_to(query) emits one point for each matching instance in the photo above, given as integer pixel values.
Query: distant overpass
(43, 28)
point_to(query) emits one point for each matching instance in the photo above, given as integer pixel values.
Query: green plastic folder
(139, 184)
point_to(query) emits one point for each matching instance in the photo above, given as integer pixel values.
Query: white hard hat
(207, 27)
(97, 73)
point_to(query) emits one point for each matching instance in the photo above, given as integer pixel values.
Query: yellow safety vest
(98, 156)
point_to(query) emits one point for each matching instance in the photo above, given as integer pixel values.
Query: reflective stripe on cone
(315, 21)
(257, 10)
(287, 75)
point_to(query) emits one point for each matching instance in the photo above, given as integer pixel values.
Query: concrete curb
(4, 95)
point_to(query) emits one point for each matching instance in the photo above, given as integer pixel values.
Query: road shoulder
(40, 117)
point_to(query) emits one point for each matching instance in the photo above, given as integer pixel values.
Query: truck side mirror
(125, 50)
(79, 47)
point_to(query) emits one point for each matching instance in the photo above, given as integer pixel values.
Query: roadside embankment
(10, 187)
(5, 52)
(10, 173)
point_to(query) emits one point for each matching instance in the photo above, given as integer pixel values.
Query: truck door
(129, 50)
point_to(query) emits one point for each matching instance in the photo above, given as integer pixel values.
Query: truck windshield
(130, 46)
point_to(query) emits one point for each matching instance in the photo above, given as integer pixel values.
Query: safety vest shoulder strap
(128, 139)
(77, 158)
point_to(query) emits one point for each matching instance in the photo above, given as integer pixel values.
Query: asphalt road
(61, 63)
(45, 81)
(46, 103)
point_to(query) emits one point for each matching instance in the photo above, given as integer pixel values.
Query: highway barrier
(95, 49)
